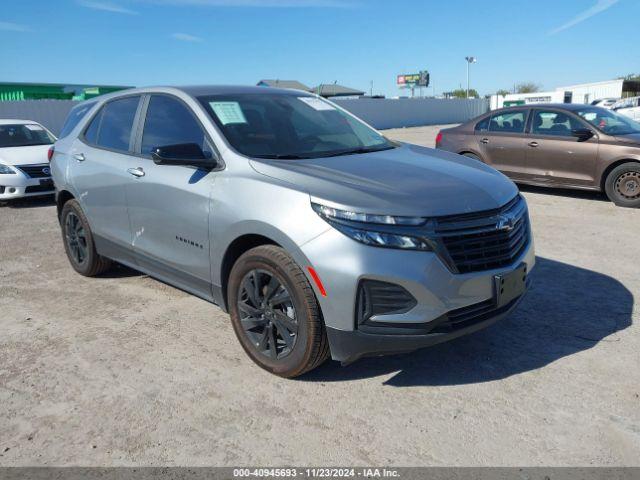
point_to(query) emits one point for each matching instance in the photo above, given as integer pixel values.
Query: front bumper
(349, 346)
(341, 263)
(18, 185)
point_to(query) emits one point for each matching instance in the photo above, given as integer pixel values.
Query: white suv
(25, 149)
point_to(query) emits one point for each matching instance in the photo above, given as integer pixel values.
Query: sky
(352, 42)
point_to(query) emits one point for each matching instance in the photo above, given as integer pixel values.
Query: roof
(335, 90)
(13, 121)
(283, 84)
(203, 90)
(562, 106)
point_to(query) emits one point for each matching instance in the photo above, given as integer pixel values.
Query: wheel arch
(235, 249)
(611, 166)
(463, 152)
(62, 197)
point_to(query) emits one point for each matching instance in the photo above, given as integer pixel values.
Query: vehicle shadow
(120, 271)
(565, 192)
(567, 310)
(30, 202)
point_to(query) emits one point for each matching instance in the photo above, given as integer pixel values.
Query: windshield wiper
(283, 156)
(356, 151)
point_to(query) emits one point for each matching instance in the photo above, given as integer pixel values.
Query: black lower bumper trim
(347, 346)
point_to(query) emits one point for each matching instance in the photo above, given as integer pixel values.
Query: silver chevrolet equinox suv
(318, 235)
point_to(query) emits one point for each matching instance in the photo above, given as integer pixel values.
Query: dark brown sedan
(566, 145)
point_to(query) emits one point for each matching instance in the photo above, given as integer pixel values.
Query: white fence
(411, 112)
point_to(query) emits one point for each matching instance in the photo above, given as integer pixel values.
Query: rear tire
(623, 185)
(275, 314)
(78, 242)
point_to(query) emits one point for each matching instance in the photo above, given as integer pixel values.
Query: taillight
(50, 153)
(438, 139)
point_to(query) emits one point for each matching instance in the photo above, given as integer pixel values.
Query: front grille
(39, 188)
(484, 240)
(41, 170)
(1, 189)
(381, 298)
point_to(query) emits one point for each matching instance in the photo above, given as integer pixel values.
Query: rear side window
(170, 122)
(111, 127)
(483, 125)
(76, 114)
(512, 121)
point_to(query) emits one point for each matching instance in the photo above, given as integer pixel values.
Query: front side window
(609, 122)
(76, 114)
(111, 127)
(554, 123)
(21, 135)
(290, 126)
(170, 122)
(511, 122)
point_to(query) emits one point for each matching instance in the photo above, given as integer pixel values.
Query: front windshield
(289, 126)
(24, 135)
(609, 122)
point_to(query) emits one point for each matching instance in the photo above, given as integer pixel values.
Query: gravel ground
(125, 370)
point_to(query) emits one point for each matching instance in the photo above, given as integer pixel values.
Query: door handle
(79, 157)
(533, 144)
(484, 140)
(136, 172)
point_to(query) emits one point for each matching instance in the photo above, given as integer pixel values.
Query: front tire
(275, 314)
(78, 242)
(623, 185)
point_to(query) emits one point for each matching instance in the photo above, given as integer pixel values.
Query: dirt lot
(124, 370)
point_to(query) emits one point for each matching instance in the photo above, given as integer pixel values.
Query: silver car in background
(25, 147)
(318, 235)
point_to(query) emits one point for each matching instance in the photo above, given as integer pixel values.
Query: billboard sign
(420, 79)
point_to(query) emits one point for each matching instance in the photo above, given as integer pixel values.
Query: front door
(555, 155)
(502, 143)
(99, 160)
(169, 204)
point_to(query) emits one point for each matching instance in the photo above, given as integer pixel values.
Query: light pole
(469, 60)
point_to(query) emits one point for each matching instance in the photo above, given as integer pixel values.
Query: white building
(582, 93)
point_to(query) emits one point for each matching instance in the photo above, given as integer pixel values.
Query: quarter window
(111, 127)
(512, 121)
(170, 122)
(554, 123)
(75, 115)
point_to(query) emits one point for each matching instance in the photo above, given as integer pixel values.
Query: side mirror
(183, 154)
(583, 134)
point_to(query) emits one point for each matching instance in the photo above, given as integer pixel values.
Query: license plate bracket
(46, 182)
(509, 286)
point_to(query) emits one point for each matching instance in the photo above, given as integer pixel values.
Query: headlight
(329, 212)
(362, 228)
(6, 169)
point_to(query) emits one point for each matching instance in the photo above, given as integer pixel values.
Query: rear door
(555, 155)
(99, 162)
(169, 204)
(502, 142)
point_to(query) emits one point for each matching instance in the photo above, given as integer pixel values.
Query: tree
(503, 93)
(527, 87)
(635, 77)
(462, 93)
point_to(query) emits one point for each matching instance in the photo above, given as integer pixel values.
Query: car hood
(408, 180)
(631, 138)
(24, 155)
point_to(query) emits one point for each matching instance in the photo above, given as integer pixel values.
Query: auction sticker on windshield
(228, 112)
